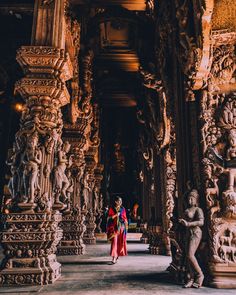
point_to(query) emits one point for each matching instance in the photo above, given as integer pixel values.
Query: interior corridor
(139, 273)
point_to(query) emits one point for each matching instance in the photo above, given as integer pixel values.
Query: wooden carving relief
(160, 126)
(194, 25)
(218, 143)
(162, 138)
(38, 160)
(150, 8)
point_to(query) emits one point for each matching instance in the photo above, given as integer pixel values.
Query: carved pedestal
(89, 235)
(157, 241)
(176, 268)
(73, 230)
(144, 230)
(222, 266)
(29, 242)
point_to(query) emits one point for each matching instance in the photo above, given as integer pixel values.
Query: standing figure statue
(69, 192)
(192, 221)
(13, 184)
(61, 182)
(85, 191)
(96, 201)
(231, 156)
(31, 161)
(227, 165)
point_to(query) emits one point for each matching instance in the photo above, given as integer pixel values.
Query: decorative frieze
(29, 242)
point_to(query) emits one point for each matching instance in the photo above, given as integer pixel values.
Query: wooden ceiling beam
(137, 5)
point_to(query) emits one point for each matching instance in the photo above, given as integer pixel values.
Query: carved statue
(227, 164)
(192, 221)
(69, 191)
(101, 202)
(45, 204)
(231, 155)
(51, 140)
(61, 182)
(85, 191)
(96, 200)
(31, 161)
(13, 184)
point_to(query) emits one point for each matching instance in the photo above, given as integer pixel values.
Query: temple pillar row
(30, 231)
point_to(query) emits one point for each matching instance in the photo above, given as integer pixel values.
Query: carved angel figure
(31, 161)
(61, 182)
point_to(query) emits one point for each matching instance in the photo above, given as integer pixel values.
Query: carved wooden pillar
(89, 235)
(162, 136)
(168, 196)
(98, 197)
(75, 132)
(30, 232)
(204, 75)
(72, 218)
(218, 134)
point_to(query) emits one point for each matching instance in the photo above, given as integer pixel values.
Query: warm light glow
(18, 107)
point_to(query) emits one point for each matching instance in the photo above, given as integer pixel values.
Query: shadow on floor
(86, 262)
(161, 277)
(130, 253)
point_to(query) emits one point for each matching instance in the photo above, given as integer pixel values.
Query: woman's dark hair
(117, 198)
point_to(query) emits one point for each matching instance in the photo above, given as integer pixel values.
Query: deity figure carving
(45, 204)
(69, 191)
(61, 182)
(51, 140)
(228, 166)
(13, 184)
(192, 221)
(100, 202)
(85, 191)
(231, 155)
(96, 200)
(31, 161)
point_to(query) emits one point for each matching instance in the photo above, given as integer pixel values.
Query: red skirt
(118, 244)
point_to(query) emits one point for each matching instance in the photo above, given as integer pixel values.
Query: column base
(222, 275)
(89, 235)
(30, 271)
(29, 242)
(22, 276)
(73, 231)
(89, 241)
(70, 250)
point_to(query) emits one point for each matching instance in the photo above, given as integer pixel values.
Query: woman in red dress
(117, 225)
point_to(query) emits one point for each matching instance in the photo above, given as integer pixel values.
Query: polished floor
(137, 274)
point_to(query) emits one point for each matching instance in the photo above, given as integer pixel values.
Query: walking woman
(117, 225)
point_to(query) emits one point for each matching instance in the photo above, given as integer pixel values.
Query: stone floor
(137, 274)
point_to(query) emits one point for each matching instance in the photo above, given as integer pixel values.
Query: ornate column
(206, 66)
(92, 158)
(218, 134)
(209, 67)
(72, 218)
(29, 223)
(162, 136)
(75, 132)
(98, 197)
(89, 183)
